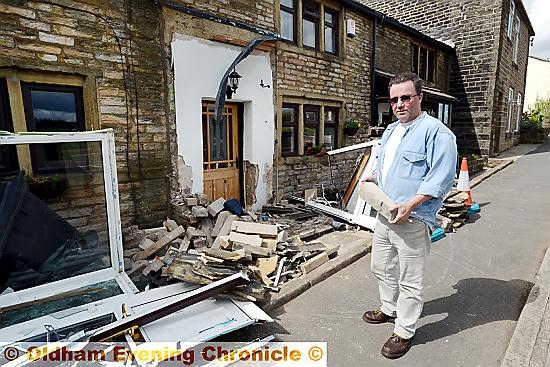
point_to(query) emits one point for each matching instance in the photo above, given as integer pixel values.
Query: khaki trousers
(398, 262)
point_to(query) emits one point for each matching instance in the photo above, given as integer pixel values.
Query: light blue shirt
(425, 164)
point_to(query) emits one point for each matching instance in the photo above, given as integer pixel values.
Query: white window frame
(510, 109)
(516, 39)
(518, 111)
(511, 19)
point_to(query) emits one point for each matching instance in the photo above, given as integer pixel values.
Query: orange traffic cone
(464, 181)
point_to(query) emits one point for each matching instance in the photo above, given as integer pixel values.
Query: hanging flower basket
(351, 127)
(350, 131)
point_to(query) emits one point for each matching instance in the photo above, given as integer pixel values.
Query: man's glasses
(405, 99)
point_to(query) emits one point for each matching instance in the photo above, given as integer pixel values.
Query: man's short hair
(405, 77)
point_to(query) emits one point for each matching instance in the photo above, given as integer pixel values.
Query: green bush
(531, 119)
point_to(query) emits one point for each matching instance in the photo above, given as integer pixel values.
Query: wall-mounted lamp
(233, 84)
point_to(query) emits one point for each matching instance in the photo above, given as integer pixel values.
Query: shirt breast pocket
(413, 165)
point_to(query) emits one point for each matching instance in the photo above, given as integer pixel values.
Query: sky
(538, 11)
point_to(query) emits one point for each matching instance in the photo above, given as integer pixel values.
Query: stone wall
(478, 30)
(115, 47)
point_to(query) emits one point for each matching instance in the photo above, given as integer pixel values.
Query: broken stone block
(146, 243)
(199, 211)
(220, 220)
(194, 232)
(170, 224)
(191, 201)
(200, 243)
(203, 199)
(215, 207)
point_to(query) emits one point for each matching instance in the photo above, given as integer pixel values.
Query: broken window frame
(116, 270)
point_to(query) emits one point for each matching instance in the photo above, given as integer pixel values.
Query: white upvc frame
(116, 271)
(510, 109)
(511, 19)
(519, 105)
(517, 26)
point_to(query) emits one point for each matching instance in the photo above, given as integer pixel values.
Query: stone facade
(483, 70)
(114, 47)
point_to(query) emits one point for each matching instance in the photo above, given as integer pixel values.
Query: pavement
(498, 270)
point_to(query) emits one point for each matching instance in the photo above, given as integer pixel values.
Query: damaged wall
(196, 79)
(115, 49)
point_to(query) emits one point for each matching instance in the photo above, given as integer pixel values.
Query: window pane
(288, 3)
(431, 66)
(330, 40)
(287, 25)
(310, 137)
(288, 116)
(54, 111)
(288, 139)
(311, 116)
(218, 140)
(329, 18)
(310, 39)
(330, 138)
(330, 116)
(63, 228)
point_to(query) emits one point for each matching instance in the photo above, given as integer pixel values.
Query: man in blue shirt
(415, 167)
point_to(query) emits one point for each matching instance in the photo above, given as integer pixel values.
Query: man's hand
(371, 178)
(403, 212)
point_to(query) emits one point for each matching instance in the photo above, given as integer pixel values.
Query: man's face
(404, 101)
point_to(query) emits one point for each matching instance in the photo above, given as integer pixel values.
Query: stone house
(154, 71)
(491, 40)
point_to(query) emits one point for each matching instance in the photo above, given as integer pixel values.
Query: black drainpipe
(373, 107)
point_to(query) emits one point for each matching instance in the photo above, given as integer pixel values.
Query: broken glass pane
(53, 226)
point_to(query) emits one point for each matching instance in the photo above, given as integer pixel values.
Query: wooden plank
(355, 178)
(263, 230)
(249, 239)
(160, 243)
(377, 199)
(314, 262)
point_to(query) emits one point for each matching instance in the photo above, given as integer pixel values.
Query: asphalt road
(478, 281)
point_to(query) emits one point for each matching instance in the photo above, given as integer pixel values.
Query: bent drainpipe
(220, 96)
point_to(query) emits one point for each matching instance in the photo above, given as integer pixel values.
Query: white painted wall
(199, 66)
(538, 81)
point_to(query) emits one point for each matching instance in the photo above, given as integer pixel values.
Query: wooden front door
(221, 152)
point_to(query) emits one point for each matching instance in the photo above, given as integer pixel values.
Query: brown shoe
(396, 347)
(377, 317)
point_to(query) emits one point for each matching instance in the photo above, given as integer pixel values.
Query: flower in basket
(352, 124)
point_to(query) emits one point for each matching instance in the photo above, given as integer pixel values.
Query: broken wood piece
(224, 255)
(160, 243)
(267, 265)
(259, 275)
(256, 251)
(279, 271)
(253, 240)
(314, 262)
(377, 199)
(263, 230)
(310, 194)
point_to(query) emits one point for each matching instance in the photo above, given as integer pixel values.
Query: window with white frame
(511, 19)
(518, 111)
(510, 109)
(516, 39)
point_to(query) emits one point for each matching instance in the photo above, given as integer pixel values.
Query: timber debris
(206, 242)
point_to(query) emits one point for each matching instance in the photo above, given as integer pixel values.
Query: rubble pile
(207, 242)
(453, 214)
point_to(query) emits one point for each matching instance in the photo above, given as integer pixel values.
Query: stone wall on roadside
(114, 46)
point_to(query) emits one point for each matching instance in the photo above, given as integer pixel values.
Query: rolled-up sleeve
(441, 159)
